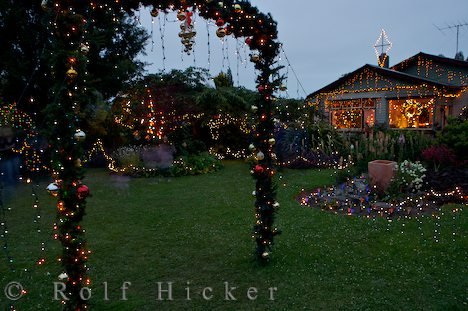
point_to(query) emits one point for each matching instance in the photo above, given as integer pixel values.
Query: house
(420, 92)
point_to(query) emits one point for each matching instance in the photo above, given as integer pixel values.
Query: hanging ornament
(80, 135)
(248, 40)
(220, 4)
(237, 8)
(221, 32)
(258, 169)
(260, 156)
(272, 141)
(63, 276)
(220, 22)
(181, 15)
(53, 189)
(261, 88)
(78, 163)
(254, 58)
(276, 205)
(44, 5)
(154, 12)
(72, 73)
(265, 255)
(254, 108)
(84, 48)
(251, 147)
(283, 88)
(82, 192)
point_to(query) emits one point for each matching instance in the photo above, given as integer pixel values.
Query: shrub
(195, 165)
(388, 145)
(128, 156)
(439, 156)
(455, 136)
(410, 176)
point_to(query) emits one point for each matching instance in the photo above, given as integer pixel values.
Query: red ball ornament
(220, 22)
(261, 88)
(259, 169)
(248, 40)
(82, 191)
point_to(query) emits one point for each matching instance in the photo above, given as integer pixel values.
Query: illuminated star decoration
(382, 42)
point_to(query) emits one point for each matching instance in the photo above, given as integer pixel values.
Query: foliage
(319, 145)
(455, 136)
(185, 142)
(153, 107)
(290, 110)
(195, 165)
(28, 56)
(128, 156)
(235, 101)
(439, 155)
(410, 176)
(387, 145)
(224, 79)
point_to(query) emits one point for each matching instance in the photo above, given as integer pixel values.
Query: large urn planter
(381, 173)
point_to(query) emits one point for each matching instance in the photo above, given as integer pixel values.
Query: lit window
(411, 113)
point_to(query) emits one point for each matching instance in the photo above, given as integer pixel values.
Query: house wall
(459, 103)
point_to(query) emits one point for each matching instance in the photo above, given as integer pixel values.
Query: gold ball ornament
(265, 255)
(221, 32)
(154, 12)
(255, 58)
(181, 16)
(251, 147)
(272, 141)
(72, 73)
(254, 108)
(237, 8)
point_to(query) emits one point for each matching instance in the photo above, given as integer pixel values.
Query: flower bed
(356, 197)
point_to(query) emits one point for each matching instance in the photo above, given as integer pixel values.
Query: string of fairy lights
(188, 35)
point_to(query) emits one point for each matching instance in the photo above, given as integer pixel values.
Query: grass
(197, 229)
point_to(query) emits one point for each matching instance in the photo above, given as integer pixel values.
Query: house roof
(438, 59)
(385, 72)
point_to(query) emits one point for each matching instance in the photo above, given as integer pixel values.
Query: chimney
(384, 60)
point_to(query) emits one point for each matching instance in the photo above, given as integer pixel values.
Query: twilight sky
(322, 39)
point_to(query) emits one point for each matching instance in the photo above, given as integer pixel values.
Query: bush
(455, 136)
(319, 145)
(128, 156)
(388, 145)
(195, 165)
(439, 156)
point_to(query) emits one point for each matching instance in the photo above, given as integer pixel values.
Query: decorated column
(68, 96)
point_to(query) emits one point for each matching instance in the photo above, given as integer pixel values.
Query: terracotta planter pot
(381, 173)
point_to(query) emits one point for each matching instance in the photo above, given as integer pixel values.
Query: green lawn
(197, 229)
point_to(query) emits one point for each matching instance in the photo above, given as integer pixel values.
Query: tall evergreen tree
(114, 41)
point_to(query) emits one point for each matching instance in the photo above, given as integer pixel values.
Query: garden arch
(68, 24)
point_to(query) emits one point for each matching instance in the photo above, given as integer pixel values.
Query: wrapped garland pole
(68, 96)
